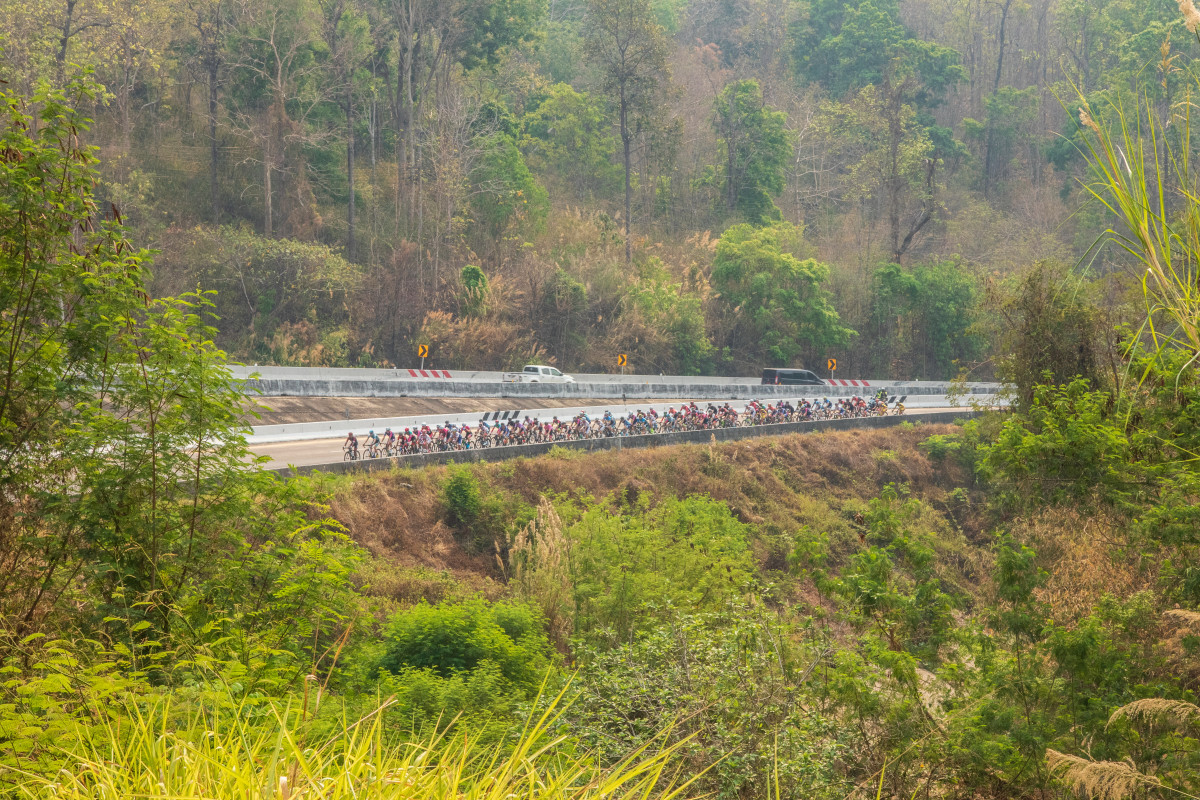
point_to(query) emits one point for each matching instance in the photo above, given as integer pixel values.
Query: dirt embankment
(789, 488)
(778, 484)
(289, 410)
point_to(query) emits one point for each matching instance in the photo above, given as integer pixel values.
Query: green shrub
(462, 497)
(459, 639)
(626, 569)
(1064, 446)
(939, 446)
(729, 679)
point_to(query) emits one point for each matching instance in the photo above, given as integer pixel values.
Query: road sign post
(423, 352)
(622, 361)
(832, 365)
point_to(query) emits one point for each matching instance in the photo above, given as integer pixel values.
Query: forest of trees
(330, 167)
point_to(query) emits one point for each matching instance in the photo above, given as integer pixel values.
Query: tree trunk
(420, 203)
(410, 143)
(895, 179)
(1000, 54)
(123, 100)
(213, 155)
(731, 176)
(267, 187)
(625, 143)
(989, 156)
(350, 172)
(60, 60)
(403, 110)
(373, 208)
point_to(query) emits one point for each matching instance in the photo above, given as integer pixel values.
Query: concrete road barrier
(696, 390)
(339, 382)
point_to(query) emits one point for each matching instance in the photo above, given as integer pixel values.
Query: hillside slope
(778, 485)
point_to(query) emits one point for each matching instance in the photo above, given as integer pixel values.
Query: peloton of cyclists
(686, 417)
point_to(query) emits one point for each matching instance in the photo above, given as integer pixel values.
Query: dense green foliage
(134, 519)
(929, 315)
(757, 149)
(124, 484)
(776, 298)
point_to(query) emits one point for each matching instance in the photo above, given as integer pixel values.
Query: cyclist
(351, 445)
(389, 440)
(372, 439)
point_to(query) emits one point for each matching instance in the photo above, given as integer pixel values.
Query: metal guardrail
(434, 377)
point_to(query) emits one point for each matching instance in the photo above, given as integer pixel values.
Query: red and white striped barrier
(429, 373)
(839, 382)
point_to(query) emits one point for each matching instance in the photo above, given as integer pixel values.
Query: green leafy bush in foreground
(474, 658)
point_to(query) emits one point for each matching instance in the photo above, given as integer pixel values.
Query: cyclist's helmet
(371, 432)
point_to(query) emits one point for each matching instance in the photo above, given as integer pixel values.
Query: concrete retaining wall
(327, 387)
(462, 375)
(340, 382)
(622, 442)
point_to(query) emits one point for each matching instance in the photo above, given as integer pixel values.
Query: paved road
(288, 411)
(324, 451)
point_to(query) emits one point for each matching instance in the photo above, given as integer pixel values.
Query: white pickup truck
(536, 373)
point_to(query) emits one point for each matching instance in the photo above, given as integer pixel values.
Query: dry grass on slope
(778, 484)
(1086, 557)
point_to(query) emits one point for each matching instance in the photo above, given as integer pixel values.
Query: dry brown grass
(1085, 557)
(1190, 619)
(1158, 711)
(397, 519)
(1098, 780)
(541, 570)
(1182, 626)
(776, 483)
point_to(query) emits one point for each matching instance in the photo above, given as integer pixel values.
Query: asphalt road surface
(310, 452)
(287, 410)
